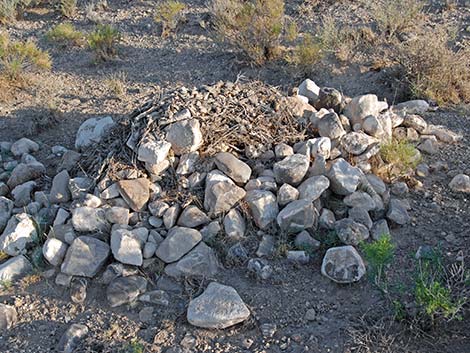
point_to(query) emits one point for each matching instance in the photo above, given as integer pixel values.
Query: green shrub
(68, 8)
(306, 54)
(169, 15)
(253, 27)
(395, 16)
(379, 254)
(16, 57)
(65, 34)
(103, 41)
(8, 11)
(401, 157)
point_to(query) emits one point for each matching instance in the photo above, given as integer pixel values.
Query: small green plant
(68, 8)
(379, 254)
(169, 14)
(103, 41)
(306, 54)
(6, 284)
(253, 27)
(116, 84)
(135, 347)
(65, 34)
(395, 16)
(401, 157)
(292, 31)
(17, 57)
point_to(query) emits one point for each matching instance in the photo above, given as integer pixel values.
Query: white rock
(185, 136)
(234, 224)
(412, 107)
(234, 168)
(287, 194)
(360, 107)
(19, 232)
(344, 178)
(221, 193)
(126, 248)
(187, 163)
(15, 268)
(309, 89)
(88, 219)
(343, 264)
(60, 192)
(92, 130)
(263, 207)
(178, 242)
(153, 151)
(313, 187)
(54, 251)
(292, 169)
(85, 257)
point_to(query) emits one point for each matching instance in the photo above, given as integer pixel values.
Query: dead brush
(433, 70)
(252, 27)
(116, 84)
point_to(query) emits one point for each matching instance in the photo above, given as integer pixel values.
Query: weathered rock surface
(126, 247)
(85, 257)
(351, 232)
(291, 170)
(459, 183)
(185, 136)
(71, 338)
(200, 261)
(234, 224)
(297, 216)
(23, 146)
(15, 268)
(89, 219)
(218, 307)
(92, 130)
(313, 187)
(54, 251)
(178, 242)
(343, 264)
(221, 193)
(6, 208)
(125, 290)
(263, 207)
(234, 168)
(135, 192)
(344, 178)
(19, 232)
(192, 217)
(25, 172)
(8, 317)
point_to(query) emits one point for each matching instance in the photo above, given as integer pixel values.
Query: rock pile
(189, 186)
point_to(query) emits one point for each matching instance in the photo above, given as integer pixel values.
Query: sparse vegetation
(17, 57)
(103, 41)
(379, 254)
(116, 84)
(65, 34)
(135, 347)
(169, 14)
(306, 54)
(68, 8)
(395, 16)
(433, 70)
(8, 11)
(401, 157)
(254, 27)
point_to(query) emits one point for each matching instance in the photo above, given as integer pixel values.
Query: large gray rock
(312, 188)
(200, 261)
(297, 216)
(23, 146)
(85, 257)
(15, 268)
(362, 106)
(459, 183)
(92, 130)
(192, 217)
(185, 136)
(117, 215)
(60, 188)
(234, 224)
(187, 163)
(218, 307)
(123, 290)
(263, 207)
(8, 317)
(416, 122)
(286, 194)
(412, 107)
(234, 168)
(351, 232)
(89, 219)
(126, 247)
(343, 264)
(330, 126)
(380, 229)
(357, 142)
(360, 199)
(54, 251)
(221, 193)
(136, 192)
(71, 338)
(153, 151)
(397, 212)
(309, 89)
(6, 207)
(25, 172)
(22, 193)
(344, 178)
(292, 169)
(18, 234)
(178, 242)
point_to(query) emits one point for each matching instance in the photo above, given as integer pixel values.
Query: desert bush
(379, 254)
(116, 84)
(68, 8)
(401, 157)
(395, 16)
(253, 27)
(169, 14)
(305, 54)
(16, 57)
(103, 41)
(65, 34)
(433, 70)
(8, 11)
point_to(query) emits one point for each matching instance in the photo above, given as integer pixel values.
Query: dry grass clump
(18, 57)
(8, 11)
(395, 16)
(116, 84)
(401, 158)
(433, 70)
(103, 41)
(68, 8)
(169, 14)
(253, 27)
(306, 54)
(65, 34)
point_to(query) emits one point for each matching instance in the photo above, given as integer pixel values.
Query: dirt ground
(349, 318)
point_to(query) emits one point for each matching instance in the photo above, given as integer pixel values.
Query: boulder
(178, 242)
(23, 146)
(15, 268)
(263, 207)
(123, 290)
(286, 194)
(221, 193)
(8, 317)
(135, 192)
(330, 126)
(200, 261)
(459, 183)
(192, 217)
(309, 89)
(89, 219)
(362, 106)
(329, 98)
(297, 216)
(343, 264)
(397, 212)
(234, 224)
(234, 168)
(22, 193)
(85, 257)
(344, 178)
(54, 251)
(357, 143)
(126, 247)
(292, 169)
(313, 187)
(60, 192)
(25, 172)
(218, 307)
(351, 232)
(92, 130)
(185, 136)
(361, 200)
(18, 234)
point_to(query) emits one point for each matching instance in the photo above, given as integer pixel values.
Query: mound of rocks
(167, 211)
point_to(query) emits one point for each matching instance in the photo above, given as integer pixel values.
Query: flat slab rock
(343, 264)
(135, 192)
(178, 242)
(218, 307)
(124, 290)
(85, 257)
